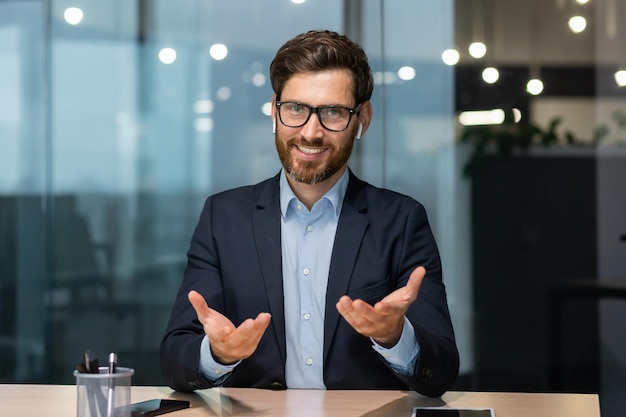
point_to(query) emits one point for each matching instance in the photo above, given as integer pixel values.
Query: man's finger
(357, 313)
(250, 331)
(415, 281)
(199, 304)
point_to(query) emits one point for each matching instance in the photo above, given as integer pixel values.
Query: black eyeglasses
(333, 118)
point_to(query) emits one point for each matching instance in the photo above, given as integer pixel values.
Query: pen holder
(104, 394)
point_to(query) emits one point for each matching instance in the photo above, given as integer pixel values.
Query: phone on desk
(452, 412)
(156, 407)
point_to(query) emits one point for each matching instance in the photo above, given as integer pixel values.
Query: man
(313, 278)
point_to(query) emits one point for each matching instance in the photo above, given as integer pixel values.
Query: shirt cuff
(209, 367)
(403, 356)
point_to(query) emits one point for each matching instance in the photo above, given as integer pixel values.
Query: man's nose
(313, 127)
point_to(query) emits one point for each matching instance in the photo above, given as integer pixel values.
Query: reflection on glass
(73, 15)
(450, 57)
(167, 55)
(218, 51)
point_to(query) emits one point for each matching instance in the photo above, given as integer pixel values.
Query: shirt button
(299, 206)
(309, 361)
(309, 228)
(306, 271)
(307, 316)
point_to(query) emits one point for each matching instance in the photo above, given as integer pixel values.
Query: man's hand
(382, 322)
(229, 344)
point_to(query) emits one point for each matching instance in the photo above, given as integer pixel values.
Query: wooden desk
(60, 401)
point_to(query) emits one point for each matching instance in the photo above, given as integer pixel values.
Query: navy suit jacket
(234, 261)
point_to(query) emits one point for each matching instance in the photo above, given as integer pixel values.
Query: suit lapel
(350, 230)
(266, 226)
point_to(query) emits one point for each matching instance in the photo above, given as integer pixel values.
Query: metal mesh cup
(104, 394)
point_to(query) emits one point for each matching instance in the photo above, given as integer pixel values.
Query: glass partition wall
(24, 181)
(120, 117)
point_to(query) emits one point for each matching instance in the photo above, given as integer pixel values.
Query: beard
(312, 172)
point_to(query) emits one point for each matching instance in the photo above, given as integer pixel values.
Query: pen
(91, 362)
(90, 365)
(112, 362)
(111, 370)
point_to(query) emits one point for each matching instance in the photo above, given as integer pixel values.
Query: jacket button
(427, 373)
(275, 385)
(194, 385)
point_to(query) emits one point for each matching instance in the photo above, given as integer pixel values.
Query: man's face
(311, 154)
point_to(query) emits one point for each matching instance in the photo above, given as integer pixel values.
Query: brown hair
(318, 51)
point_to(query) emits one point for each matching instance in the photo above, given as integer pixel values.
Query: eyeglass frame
(316, 110)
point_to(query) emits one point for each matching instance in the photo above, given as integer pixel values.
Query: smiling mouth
(309, 151)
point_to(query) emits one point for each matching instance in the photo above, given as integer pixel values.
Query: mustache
(315, 143)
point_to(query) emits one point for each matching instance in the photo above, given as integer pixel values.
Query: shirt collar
(335, 195)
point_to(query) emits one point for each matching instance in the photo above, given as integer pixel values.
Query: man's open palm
(229, 344)
(384, 320)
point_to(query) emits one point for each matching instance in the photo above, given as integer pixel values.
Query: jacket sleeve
(180, 346)
(437, 366)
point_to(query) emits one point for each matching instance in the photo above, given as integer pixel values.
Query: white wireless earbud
(273, 125)
(358, 132)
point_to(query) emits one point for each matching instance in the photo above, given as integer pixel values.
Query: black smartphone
(452, 412)
(156, 407)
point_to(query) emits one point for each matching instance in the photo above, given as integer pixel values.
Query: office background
(119, 117)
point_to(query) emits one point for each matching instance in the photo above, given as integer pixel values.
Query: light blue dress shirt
(306, 258)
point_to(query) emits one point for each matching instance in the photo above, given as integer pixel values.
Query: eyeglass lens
(331, 117)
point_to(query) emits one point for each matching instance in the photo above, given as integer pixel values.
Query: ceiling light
(73, 15)
(266, 108)
(477, 49)
(203, 106)
(534, 86)
(577, 24)
(223, 93)
(218, 51)
(386, 77)
(482, 117)
(620, 78)
(582, 1)
(491, 75)
(450, 56)
(167, 55)
(203, 124)
(258, 80)
(406, 73)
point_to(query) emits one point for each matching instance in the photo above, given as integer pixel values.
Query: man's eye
(333, 112)
(296, 108)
